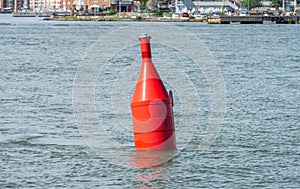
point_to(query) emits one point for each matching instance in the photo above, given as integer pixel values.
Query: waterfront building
(105, 4)
(92, 5)
(54, 5)
(79, 5)
(178, 6)
(122, 5)
(25, 5)
(205, 5)
(45, 5)
(18, 5)
(38, 5)
(7, 5)
(67, 5)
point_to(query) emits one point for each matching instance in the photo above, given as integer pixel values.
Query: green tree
(143, 4)
(276, 3)
(251, 3)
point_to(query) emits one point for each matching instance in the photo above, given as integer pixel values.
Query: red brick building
(18, 4)
(96, 5)
(6, 5)
(67, 5)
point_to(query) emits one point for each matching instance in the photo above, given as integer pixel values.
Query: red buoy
(152, 107)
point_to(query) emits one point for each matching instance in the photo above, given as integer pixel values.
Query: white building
(205, 5)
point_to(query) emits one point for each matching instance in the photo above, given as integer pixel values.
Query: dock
(31, 14)
(260, 19)
(25, 14)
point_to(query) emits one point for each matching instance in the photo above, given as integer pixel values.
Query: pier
(25, 14)
(260, 19)
(41, 14)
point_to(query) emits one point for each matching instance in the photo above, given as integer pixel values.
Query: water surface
(258, 146)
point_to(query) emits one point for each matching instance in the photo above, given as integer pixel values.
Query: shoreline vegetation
(209, 20)
(116, 18)
(142, 17)
(169, 17)
(254, 17)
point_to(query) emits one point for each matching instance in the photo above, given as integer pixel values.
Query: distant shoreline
(151, 18)
(121, 19)
(209, 20)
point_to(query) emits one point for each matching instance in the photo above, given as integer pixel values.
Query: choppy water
(40, 145)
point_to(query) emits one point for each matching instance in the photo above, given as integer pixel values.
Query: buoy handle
(171, 97)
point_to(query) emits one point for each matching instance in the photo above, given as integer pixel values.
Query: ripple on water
(258, 145)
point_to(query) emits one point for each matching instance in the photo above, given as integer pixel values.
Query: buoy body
(152, 107)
